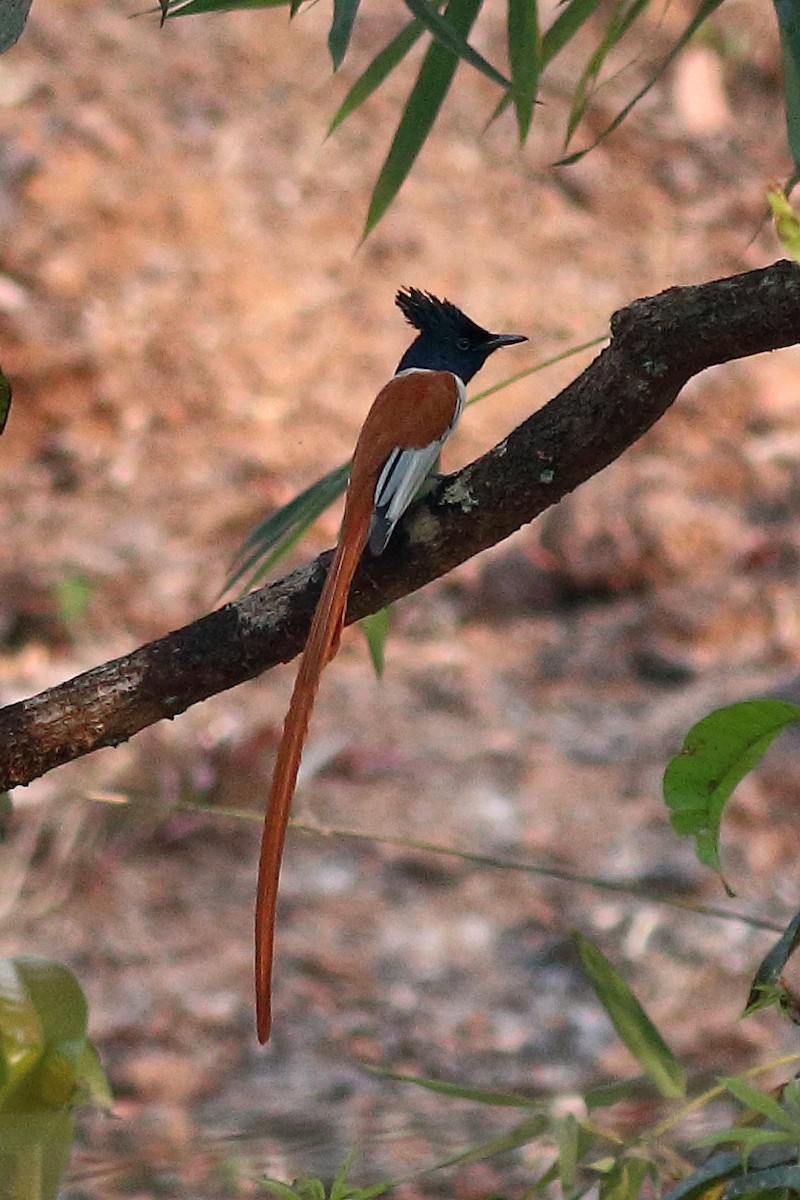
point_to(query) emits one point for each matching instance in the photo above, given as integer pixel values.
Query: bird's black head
(448, 340)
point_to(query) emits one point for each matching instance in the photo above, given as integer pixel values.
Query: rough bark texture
(657, 344)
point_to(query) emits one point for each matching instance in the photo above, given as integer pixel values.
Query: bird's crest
(437, 317)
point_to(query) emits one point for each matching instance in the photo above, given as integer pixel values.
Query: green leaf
(35, 1149)
(631, 1022)
(5, 401)
(704, 1181)
(426, 98)
(448, 33)
(766, 977)
(378, 70)
(564, 1132)
(622, 17)
(789, 26)
(606, 1095)
(190, 8)
(700, 17)
(717, 753)
(376, 628)
(524, 51)
(274, 537)
(344, 15)
(565, 26)
(759, 1102)
(459, 1091)
(624, 1181)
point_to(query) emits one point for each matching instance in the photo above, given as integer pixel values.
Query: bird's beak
(505, 339)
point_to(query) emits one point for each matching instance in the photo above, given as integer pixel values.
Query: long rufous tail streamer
(415, 410)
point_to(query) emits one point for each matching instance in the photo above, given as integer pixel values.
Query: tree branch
(657, 344)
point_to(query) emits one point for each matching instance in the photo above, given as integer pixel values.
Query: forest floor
(194, 335)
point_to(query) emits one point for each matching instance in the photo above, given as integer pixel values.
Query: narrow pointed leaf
(630, 1021)
(274, 537)
(190, 8)
(700, 17)
(716, 754)
(376, 629)
(378, 70)
(448, 34)
(705, 1181)
(524, 57)
(458, 1091)
(565, 26)
(759, 1102)
(771, 966)
(5, 400)
(344, 15)
(621, 20)
(422, 108)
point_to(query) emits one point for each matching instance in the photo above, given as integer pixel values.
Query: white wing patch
(403, 475)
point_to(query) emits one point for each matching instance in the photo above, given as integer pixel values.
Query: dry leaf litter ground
(193, 337)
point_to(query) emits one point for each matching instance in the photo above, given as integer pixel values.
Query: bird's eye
(463, 343)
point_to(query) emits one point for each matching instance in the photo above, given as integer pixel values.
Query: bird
(398, 446)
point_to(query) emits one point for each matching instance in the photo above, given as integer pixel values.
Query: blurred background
(194, 335)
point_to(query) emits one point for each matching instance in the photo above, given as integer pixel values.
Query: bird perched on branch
(400, 440)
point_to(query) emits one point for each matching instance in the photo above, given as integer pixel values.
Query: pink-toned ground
(193, 336)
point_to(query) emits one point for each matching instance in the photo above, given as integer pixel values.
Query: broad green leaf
(344, 15)
(631, 1022)
(448, 34)
(376, 629)
(381, 66)
(786, 222)
(459, 1091)
(716, 754)
(426, 98)
(274, 537)
(190, 8)
(764, 990)
(789, 25)
(5, 401)
(524, 51)
(757, 1101)
(701, 16)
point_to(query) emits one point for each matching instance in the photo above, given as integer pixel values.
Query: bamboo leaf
(378, 70)
(191, 8)
(448, 34)
(630, 1021)
(344, 15)
(426, 98)
(763, 990)
(524, 51)
(376, 630)
(702, 15)
(565, 26)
